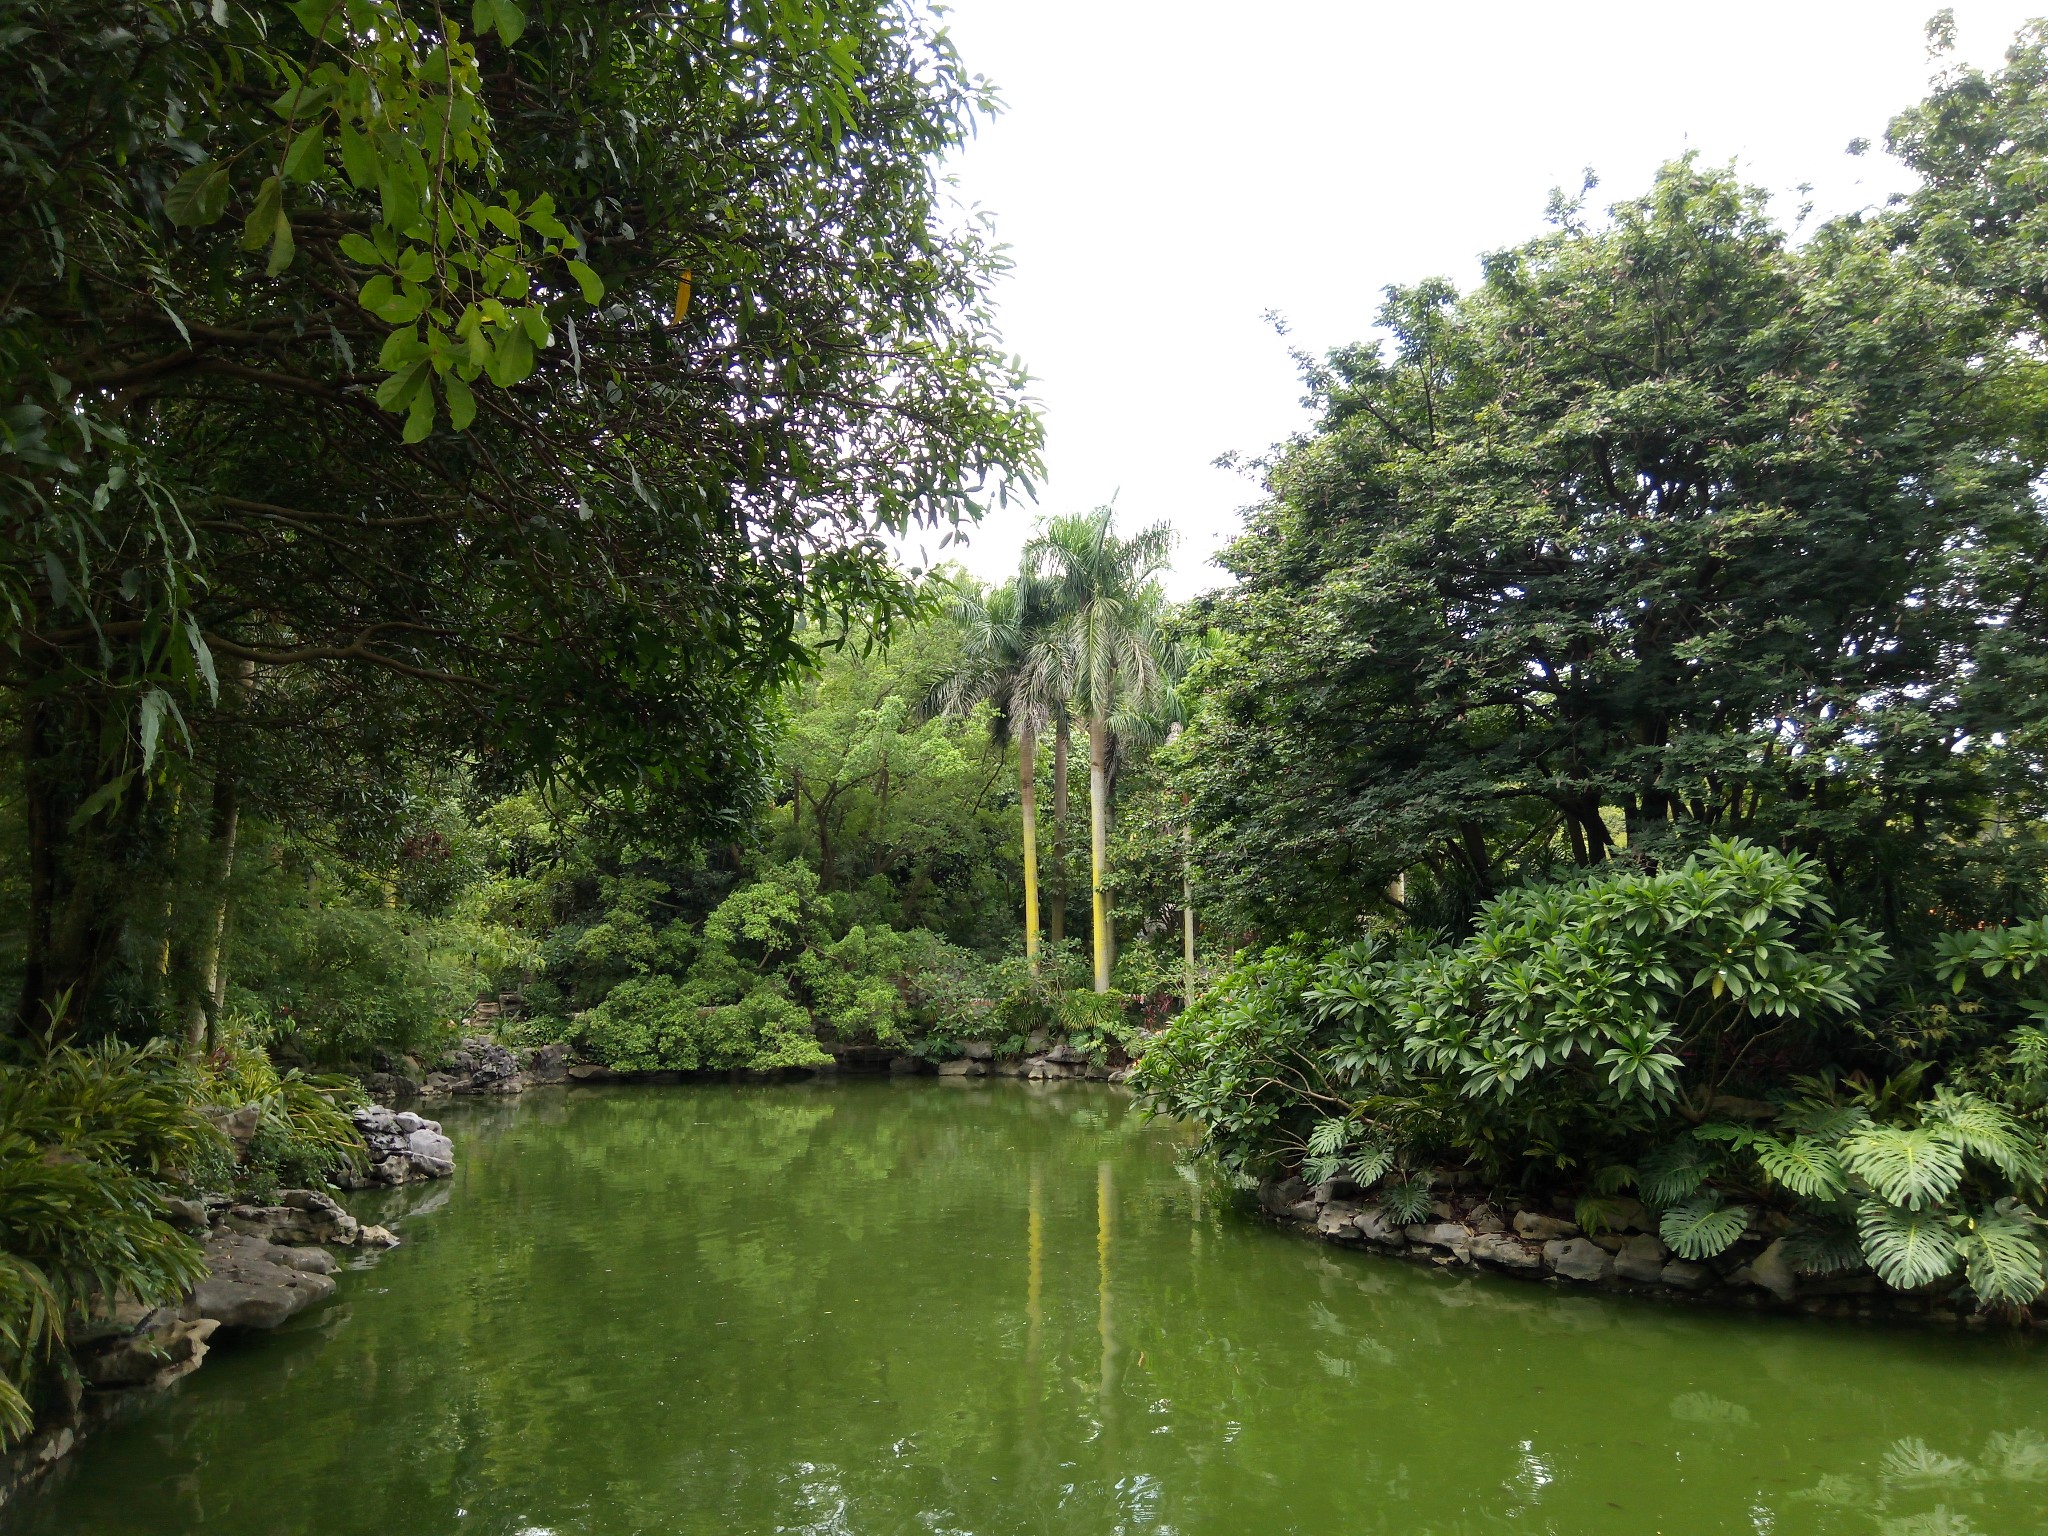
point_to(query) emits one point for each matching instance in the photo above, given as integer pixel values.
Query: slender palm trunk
(1098, 842)
(208, 983)
(1062, 734)
(1027, 801)
(1187, 913)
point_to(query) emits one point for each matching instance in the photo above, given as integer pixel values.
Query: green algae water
(981, 1308)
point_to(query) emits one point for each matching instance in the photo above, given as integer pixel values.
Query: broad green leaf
(358, 157)
(1805, 1167)
(1906, 1248)
(2003, 1258)
(307, 157)
(282, 246)
(1913, 1166)
(360, 250)
(461, 402)
(593, 288)
(1702, 1227)
(397, 392)
(419, 420)
(260, 228)
(198, 197)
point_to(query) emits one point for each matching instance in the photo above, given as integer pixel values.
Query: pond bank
(1464, 1230)
(266, 1263)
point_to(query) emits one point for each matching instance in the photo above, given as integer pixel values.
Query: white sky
(1167, 172)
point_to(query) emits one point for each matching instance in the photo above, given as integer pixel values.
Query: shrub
(89, 1141)
(653, 1023)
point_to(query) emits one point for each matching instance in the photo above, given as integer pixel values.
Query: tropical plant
(91, 1139)
(1102, 587)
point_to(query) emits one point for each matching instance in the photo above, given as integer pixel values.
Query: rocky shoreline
(1465, 1230)
(266, 1263)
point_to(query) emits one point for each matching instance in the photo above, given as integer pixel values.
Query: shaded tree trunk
(206, 979)
(1098, 844)
(1062, 736)
(1027, 802)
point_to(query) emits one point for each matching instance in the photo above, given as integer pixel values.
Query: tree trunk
(1098, 843)
(208, 979)
(1062, 734)
(1187, 912)
(1027, 801)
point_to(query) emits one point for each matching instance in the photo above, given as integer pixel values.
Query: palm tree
(1003, 664)
(1103, 589)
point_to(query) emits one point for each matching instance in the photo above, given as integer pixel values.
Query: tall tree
(517, 397)
(1104, 588)
(1008, 661)
(1668, 529)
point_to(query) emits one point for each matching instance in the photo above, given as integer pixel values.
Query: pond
(874, 1308)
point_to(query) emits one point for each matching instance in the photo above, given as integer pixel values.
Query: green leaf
(461, 402)
(1906, 1248)
(1369, 1164)
(260, 228)
(1913, 1166)
(282, 246)
(198, 197)
(307, 157)
(1807, 1168)
(1703, 1227)
(397, 392)
(1823, 1250)
(358, 157)
(506, 17)
(419, 420)
(319, 17)
(1672, 1173)
(361, 251)
(593, 287)
(2002, 1258)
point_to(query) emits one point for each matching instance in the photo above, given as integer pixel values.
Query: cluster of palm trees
(1075, 636)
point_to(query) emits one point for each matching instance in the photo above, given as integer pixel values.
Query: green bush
(90, 1141)
(653, 1023)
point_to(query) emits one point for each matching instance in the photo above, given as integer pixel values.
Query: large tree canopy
(375, 389)
(1670, 528)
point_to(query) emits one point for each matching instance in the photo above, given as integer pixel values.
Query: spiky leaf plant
(1407, 1199)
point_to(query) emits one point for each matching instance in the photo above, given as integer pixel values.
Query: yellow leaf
(682, 298)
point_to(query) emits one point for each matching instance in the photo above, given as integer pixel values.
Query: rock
(387, 1087)
(1337, 1217)
(1507, 1252)
(1685, 1275)
(548, 1064)
(311, 1261)
(403, 1147)
(377, 1237)
(1577, 1258)
(1036, 1042)
(238, 1125)
(301, 1216)
(963, 1066)
(1448, 1235)
(1633, 1216)
(1482, 1219)
(1544, 1229)
(904, 1066)
(1302, 1211)
(251, 1284)
(1067, 1054)
(482, 1066)
(1379, 1229)
(978, 1050)
(1770, 1270)
(1642, 1258)
(1277, 1195)
(1613, 1242)
(189, 1214)
(156, 1355)
(591, 1072)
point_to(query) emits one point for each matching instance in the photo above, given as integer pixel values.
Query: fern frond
(1913, 1166)
(1703, 1227)
(2003, 1260)
(1803, 1165)
(1906, 1248)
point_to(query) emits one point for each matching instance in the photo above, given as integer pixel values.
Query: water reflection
(991, 1309)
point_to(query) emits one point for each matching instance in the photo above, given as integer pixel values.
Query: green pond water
(872, 1308)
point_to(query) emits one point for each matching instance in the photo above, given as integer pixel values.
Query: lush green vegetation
(1628, 719)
